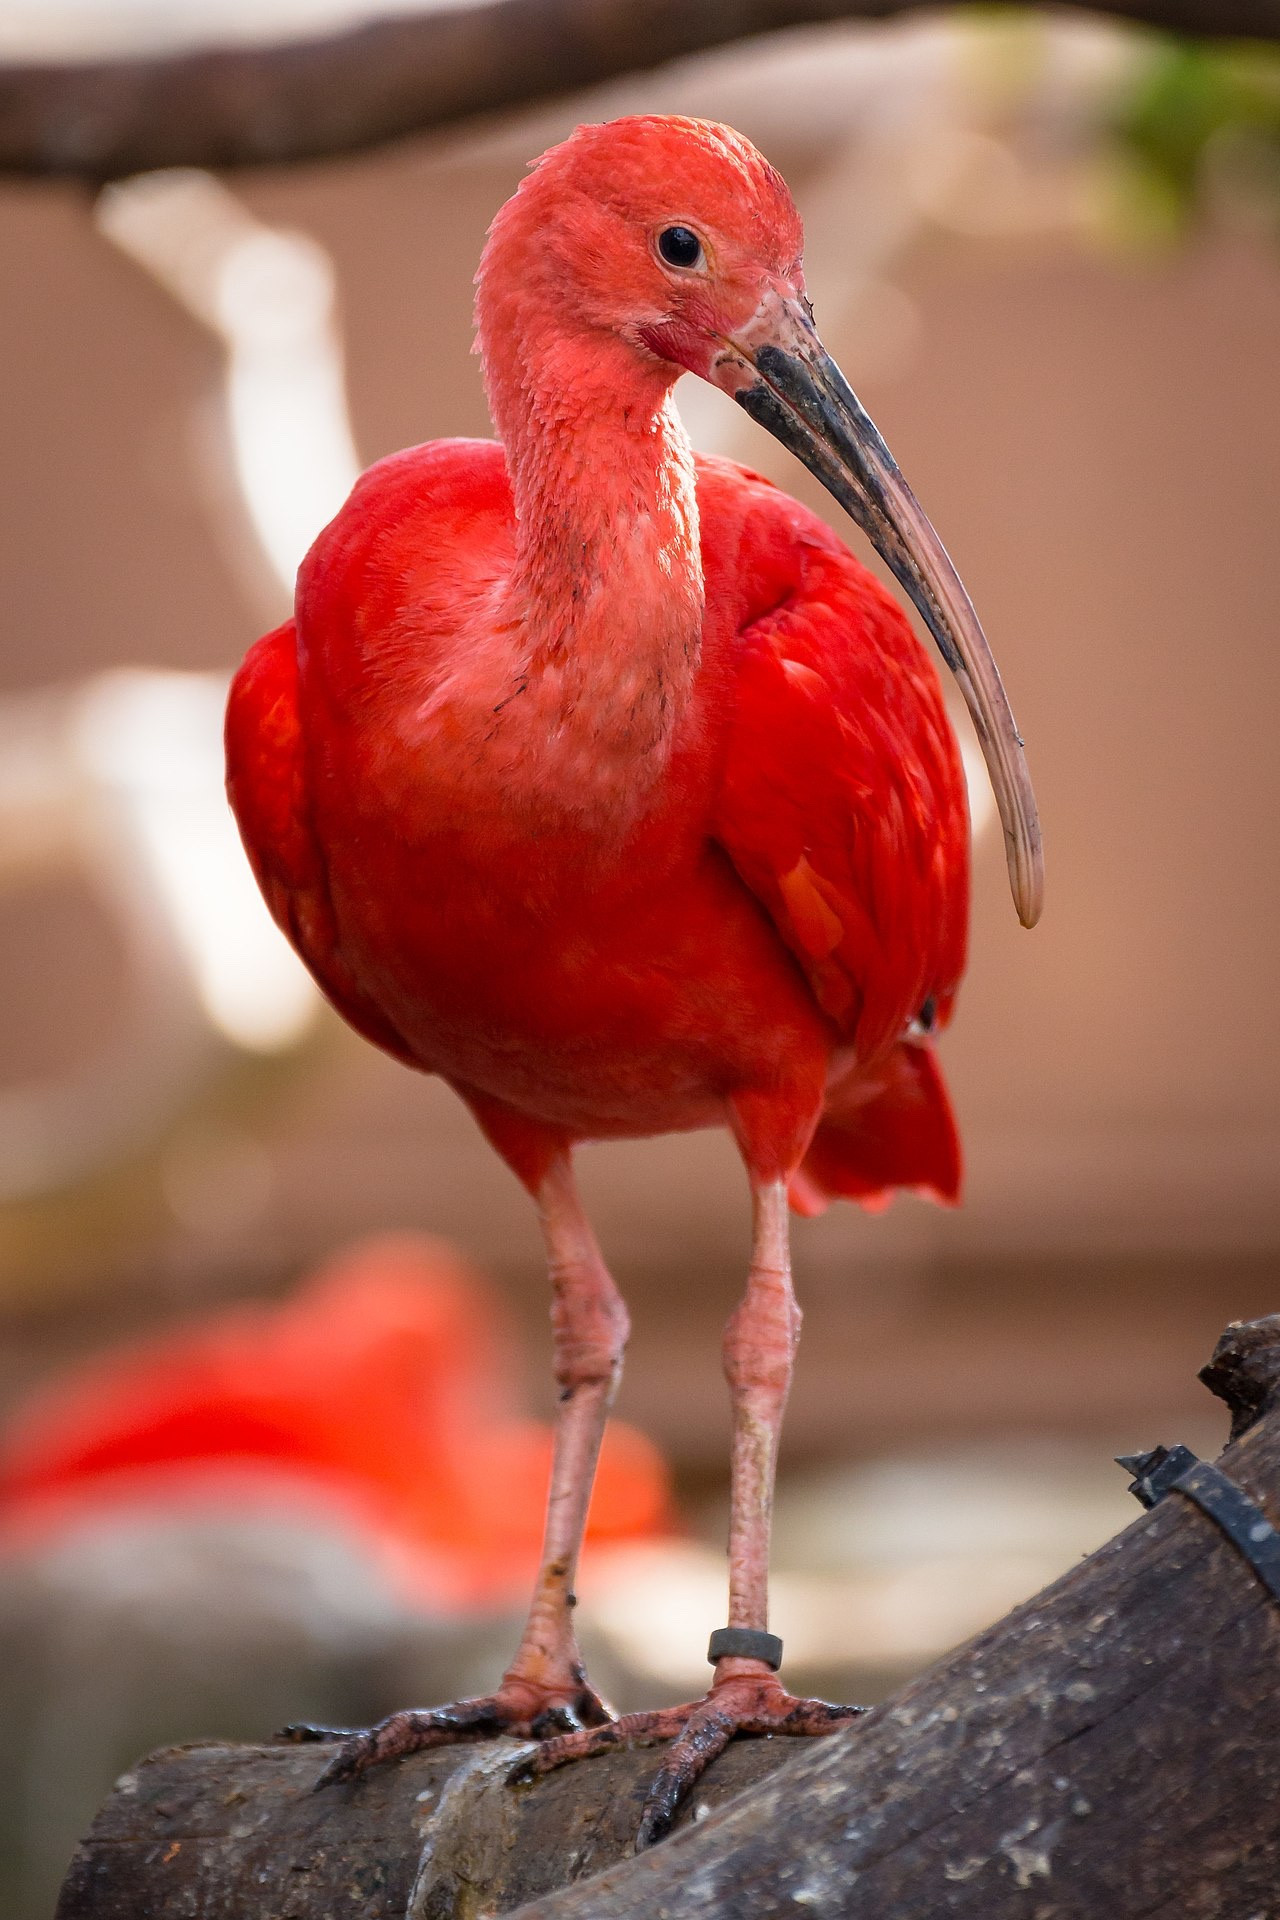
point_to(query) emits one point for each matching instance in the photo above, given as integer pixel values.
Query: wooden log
(1111, 1749)
(235, 1833)
(236, 106)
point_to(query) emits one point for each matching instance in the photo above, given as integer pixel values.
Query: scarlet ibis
(599, 778)
(378, 1399)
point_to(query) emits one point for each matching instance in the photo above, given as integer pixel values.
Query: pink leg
(590, 1328)
(759, 1351)
(746, 1695)
(545, 1688)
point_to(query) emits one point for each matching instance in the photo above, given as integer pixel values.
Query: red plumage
(602, 780)
(814, 776)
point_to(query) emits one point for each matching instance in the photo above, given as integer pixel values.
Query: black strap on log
(1178, 1470)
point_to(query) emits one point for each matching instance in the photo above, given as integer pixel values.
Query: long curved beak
(778, 370)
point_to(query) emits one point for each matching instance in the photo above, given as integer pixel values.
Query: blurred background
(261, 1467)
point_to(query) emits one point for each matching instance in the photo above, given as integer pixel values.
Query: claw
(554, 1721)
(705, 1737)
(523, 1773)
(350, 1760)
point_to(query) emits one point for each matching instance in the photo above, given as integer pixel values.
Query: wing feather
(267, 786)
(842, 805)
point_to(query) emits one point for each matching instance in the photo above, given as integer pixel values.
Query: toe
(811, 1717)
(705, 1736)
(411, 1732)
(578, 1745)
(632, 1730)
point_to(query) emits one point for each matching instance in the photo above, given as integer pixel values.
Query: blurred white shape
(1033, 1501)
(121, 778)
(269, 296)
(655, 1605)
(880, 1566)
(286, 396)
(88, 29)
(156, 740)
(982, 802)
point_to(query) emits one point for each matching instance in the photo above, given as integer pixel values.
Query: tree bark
(308, 100)
(1110, 1748)
(235, 1833)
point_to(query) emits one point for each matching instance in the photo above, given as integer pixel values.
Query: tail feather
(891, 1129)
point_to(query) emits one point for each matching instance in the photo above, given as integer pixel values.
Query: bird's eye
(919, 1029)
(680, 247)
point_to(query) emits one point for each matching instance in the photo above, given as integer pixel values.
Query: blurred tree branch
(306, 100)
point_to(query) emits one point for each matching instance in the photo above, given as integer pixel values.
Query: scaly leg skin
(746, 1695)
(545, 1689)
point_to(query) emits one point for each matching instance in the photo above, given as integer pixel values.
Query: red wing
(843, 804)
(268, 791)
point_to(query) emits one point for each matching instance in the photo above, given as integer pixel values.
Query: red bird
(377, 1400)
(597, 777)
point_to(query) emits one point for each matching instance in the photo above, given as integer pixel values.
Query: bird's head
(665, 232)
(675, 243)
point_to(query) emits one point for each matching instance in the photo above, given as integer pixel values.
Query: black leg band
(745, 1643)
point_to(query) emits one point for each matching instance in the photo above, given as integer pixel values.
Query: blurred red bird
(598, 778)
(378, 1399)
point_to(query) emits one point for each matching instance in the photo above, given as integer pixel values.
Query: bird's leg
(746, 1695)
(545, 1688)
(590, 1326)
(760, 1344)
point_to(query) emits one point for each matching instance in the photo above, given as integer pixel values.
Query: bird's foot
(531, 1710)
(745, 1701)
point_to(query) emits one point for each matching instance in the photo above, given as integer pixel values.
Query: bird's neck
(606, 590)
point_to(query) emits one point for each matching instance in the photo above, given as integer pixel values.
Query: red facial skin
(600, 778)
